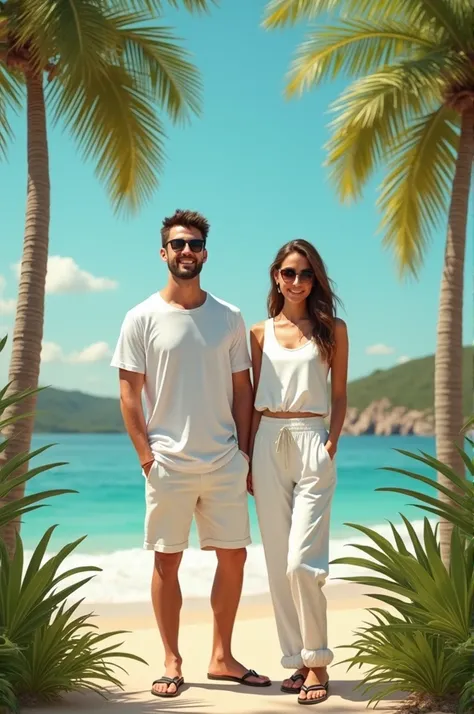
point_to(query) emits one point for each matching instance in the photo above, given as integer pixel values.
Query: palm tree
(410, 109)
(102, 69)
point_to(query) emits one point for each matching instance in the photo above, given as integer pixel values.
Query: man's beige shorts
(217, 500)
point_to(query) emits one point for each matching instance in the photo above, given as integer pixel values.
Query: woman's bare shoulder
(257, 331)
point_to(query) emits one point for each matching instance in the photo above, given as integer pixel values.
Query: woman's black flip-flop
(240, 680)
(177, 681)
(293, 690)
(314, 688)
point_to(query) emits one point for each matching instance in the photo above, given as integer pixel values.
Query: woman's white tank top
(291, 380)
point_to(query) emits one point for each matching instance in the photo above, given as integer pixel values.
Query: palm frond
(464, 10)
(448, 18)
(113, 70)
(116, 125)
(159, 65)
(373, 113)
(279, 13)
(414, 195)
(443, 16)
(157, 7)
(353, 47)
(193, 5)
(74, 32)
(10, 94)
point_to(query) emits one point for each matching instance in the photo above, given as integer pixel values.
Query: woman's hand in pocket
(331, 449)
(147, 467)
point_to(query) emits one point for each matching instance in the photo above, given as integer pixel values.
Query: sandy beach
(255, 644)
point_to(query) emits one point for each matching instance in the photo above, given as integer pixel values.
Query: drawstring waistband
(285, 430)
(284, 443)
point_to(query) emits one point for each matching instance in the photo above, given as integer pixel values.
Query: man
(188, 350)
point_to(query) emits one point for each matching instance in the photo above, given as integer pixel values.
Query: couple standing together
(210, 436)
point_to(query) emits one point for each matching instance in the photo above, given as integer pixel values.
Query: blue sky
(253, 164)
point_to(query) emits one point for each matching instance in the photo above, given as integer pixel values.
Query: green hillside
(61, 411)
(409, 385)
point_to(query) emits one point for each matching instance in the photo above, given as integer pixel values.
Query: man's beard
(184, 272)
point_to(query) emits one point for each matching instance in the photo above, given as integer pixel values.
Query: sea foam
(126, 574)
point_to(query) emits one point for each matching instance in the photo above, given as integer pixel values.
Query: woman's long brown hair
(321, 302)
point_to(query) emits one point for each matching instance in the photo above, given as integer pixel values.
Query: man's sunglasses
(195, 244)
(289, 275)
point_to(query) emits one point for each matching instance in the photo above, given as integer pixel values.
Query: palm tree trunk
(28, 330)
(448, 361)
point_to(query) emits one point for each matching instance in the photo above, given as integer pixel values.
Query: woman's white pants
(294, 480)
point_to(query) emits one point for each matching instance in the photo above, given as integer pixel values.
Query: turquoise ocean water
(109, 509)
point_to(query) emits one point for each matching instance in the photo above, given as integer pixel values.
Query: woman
(293, 473)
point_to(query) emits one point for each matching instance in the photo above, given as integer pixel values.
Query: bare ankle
(173, 660)
(318, 671)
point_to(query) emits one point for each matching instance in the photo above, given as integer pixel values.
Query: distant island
(390, 401)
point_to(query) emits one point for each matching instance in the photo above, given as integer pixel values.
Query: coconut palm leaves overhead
(110, 73)
(413, 65)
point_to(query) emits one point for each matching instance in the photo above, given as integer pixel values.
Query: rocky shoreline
(381, 418)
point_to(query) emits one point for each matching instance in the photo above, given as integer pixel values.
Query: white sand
(255, 644)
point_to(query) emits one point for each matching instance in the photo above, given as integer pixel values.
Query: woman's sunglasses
(289, 275)
(195, 244)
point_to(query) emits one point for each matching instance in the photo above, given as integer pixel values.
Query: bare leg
(167, 601)
(225, 598)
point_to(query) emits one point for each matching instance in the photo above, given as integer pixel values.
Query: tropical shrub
(45, 648)
(422, 644)
(9, 666)
(466, 702)
(65, 655)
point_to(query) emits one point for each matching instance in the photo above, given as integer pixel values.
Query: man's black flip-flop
(240, 680)
(177, 681)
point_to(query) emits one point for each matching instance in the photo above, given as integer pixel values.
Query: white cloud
(65, 276)
(7, 305)
(94, 353)
(403, 359)
(379, 349)
(52, 352)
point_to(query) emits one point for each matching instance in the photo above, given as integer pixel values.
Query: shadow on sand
(142, 702)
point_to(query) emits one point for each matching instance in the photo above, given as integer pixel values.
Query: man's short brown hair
(188, 219)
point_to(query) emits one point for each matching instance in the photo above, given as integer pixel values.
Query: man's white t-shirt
(188, 358)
